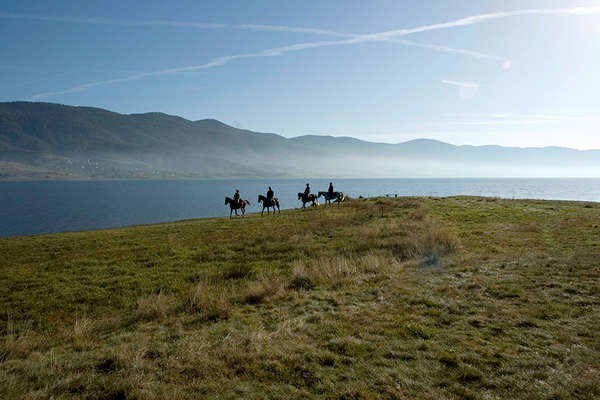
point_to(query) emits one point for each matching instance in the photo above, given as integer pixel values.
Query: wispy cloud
(215, 62)
(460, 84)
(253, 27)
(476, 19)
(448, 49)
(179, 24)
(349, 39)
(466, 90)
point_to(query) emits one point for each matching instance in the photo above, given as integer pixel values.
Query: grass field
(373, 299)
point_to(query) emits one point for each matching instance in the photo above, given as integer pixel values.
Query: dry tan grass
(267, 286)
(210, 300)
(336, 270)
(429, 245)
(382, 230)
(155, 306)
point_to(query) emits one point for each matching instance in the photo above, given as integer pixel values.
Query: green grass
(404, 298)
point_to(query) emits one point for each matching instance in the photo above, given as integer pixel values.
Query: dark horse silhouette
(337, 197)
(311, 198)
(266, 203)
(234, 206)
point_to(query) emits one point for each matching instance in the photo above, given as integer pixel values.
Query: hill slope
(43, 140)
(372, 299)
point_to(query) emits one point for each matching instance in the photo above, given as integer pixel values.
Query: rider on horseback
(330, 190)
(270, 194)
(307, 190)
(236, 196)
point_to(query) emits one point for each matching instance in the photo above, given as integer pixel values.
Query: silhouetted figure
(307, 190)
(330, 190)
(270, 194)
(236, 196)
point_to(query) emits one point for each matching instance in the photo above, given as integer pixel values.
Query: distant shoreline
(252, 214)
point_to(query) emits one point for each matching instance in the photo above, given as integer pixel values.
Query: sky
(512, 73)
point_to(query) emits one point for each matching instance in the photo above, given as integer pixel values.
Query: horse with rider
(269, 201)
(330, 194)
(236, 203)
(308, 197)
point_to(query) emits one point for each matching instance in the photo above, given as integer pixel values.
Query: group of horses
(272, 203)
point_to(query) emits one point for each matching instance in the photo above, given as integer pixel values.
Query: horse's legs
(230, 212)
(263, 210)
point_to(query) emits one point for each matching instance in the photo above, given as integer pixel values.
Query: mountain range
(53, 141)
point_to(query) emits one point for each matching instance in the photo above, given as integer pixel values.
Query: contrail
(447, 49)
(254, 27)
(351, 39)
(460, 84)
(476, 19)
(180, 24)
(215, 62)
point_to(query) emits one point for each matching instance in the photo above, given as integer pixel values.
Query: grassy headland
(376, 298)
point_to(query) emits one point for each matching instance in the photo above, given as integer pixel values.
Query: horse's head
(299, 196)
(227, 200)
(260, 198)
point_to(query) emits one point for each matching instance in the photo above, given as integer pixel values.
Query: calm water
(42, 207)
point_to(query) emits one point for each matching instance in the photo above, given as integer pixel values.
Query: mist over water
(57, 206)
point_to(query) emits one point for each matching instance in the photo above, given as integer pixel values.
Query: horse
(337, 197)
(234, 206)
(308, 199)
(266, 203)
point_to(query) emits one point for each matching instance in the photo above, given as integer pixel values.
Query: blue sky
(517, 73)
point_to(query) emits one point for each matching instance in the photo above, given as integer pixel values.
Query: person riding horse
(330, 190)
(307, 190)
(236, 196)
(270, 194)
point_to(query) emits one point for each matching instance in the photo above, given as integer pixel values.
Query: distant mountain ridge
(53, 141)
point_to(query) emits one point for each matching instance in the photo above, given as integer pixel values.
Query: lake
(28, 208)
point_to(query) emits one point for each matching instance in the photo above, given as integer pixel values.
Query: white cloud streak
(215, 62)
(477, 19)
(253, 27)
(177, 24)
(466, 90)
(447, 49)
(350, 39)
(460, 84)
